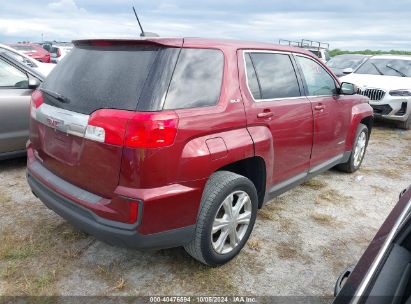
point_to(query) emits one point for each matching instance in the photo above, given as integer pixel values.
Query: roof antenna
(143, 34)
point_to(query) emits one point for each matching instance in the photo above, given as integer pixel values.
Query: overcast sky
(346, 24)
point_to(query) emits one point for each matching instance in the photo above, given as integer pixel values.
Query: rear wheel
(358, 151)
(226, 219)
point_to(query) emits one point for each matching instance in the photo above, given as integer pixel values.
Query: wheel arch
(254, 168)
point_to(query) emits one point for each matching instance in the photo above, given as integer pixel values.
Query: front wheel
(357, 152)
(226, 219)
(406, 125)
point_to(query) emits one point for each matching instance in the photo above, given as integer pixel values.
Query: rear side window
(99, 77)
(276, 75)
(197, 79)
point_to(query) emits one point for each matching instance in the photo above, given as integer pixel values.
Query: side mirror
(34, 83)
(347, 71)
(348, 89)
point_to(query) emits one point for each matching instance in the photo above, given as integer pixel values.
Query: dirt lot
(301, 242)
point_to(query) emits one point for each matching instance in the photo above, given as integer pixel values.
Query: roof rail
(289, 42)
(305, 43)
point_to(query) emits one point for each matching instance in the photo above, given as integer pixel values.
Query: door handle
(265, 114)
(319, 107)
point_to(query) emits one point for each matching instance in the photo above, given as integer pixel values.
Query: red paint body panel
(90, 165)
(170, 180)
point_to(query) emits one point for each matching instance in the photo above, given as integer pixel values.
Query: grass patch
(254, 244)
(389, 172)
(266, 214)
(286, 251)
(292, 251)
(323, 219)
(314, 184)
(331, 196)
(216, 281)
(4, 198)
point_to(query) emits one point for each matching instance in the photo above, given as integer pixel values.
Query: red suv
(155, 143)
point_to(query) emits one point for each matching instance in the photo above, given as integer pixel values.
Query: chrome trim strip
(63, 120)
(380, 256)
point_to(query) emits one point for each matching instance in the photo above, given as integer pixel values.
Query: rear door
(94, 76)
(331, 114)
(14, 108)
(273, 95)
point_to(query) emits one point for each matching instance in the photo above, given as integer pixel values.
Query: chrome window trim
(271, 99)
(376, 263)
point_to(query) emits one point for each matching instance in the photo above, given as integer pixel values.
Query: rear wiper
(378, 70)
(398, 71)
(55, 95)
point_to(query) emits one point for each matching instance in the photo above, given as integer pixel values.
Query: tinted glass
(197, 79)
(391, 67)
(318, 81)
(276, 75)
(12, 77)
(252, 78)
(101, 77)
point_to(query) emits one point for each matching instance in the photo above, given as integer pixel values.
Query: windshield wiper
(398, 71)
(55, 95)
(378, 70)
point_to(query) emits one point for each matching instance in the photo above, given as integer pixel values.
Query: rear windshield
(91, 78)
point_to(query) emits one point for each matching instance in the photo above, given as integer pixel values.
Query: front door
(14, 108)
(331, 116)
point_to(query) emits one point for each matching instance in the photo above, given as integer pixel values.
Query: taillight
(133, 129)
(35, 102)
(58, 52)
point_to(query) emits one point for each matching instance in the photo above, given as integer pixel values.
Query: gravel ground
(301, 242)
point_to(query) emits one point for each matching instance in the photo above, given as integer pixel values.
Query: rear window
(196, 80)
(92, 78)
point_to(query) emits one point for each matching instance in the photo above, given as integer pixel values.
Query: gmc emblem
(54, 123)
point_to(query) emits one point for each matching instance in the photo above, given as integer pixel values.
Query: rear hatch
(114, 75)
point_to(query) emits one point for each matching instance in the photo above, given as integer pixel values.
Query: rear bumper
(111, 232)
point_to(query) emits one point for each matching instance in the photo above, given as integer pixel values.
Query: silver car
(17, 82)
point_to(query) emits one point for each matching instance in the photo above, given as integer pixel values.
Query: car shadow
(15, 163)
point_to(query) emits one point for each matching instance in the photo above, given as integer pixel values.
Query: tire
(406, 125)
(353, 164)
(219, 187)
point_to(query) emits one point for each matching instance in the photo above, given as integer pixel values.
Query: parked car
(59, 51)
(17, 82)
(386, 80)
(346, 64)
(43, 68)
(33, 50)
(183, 146)
(383, 274)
